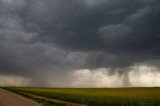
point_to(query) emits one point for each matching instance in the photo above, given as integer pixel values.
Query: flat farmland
(98, 96)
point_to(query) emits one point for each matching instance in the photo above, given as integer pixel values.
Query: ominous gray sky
(44, 41)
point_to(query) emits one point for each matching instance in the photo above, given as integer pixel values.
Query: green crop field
(100, 96)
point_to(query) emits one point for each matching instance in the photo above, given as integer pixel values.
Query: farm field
(99, 96)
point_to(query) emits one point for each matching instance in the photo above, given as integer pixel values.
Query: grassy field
(100, 96)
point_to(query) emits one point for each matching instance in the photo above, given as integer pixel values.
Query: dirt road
(10, 99)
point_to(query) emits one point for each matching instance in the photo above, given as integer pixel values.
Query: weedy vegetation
(100, 96)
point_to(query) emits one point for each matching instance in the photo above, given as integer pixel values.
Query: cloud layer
(50, 38)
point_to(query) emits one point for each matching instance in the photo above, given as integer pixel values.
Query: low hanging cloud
(41, 39)
(12, 80)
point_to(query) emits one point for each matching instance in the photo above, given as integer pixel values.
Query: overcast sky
(80, 43)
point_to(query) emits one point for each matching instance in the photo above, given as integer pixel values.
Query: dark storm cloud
(61, 35)
(118, 26)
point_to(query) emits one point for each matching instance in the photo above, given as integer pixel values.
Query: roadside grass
(41, 101)
(100, 96)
